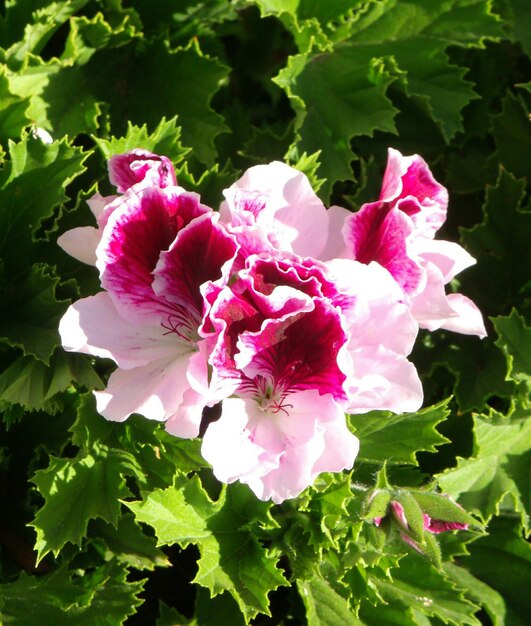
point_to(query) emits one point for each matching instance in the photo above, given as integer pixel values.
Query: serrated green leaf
(398, 438)
(45, 21)
(511, 130)
(33, 385)
(514, 340)
(32, 184)
(420, 586)
(221, 610)
(385, 615)
(324, 606)
(13, 108)
(142, 92)
(164, 139)
(501, 243)
(496, 470)
(478, 592)
(100, 598)
(76, 491)
(456, 21)
(31, 313)
(129, 544)
(90, 34)
(502, 560)
(232, 558)
(335, 97)
(521, 16)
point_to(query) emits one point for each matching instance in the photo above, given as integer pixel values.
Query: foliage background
(105, 524)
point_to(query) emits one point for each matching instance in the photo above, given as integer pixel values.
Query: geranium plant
(265, 350)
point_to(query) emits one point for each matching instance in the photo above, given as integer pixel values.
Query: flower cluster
(285, 312)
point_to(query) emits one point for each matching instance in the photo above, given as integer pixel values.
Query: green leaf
(44, 23)
(90, 34)
(502, 560)
(496, 470)
(420, 586)
(512, 132)
(103, 597)
(398, 438)
(32, 184)
(324, 606)
(76, 491)
(13, 108)
(34, 385)
(30, 317)
(165, 139)
(129, 544)
(336, 96)
(218, 611)
(232, 559)
(478, 592)
(501, 243)
(514, 340)
(521, 16)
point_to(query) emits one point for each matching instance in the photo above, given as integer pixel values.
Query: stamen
(181, 324)
(281, 406)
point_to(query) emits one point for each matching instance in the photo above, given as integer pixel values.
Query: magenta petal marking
(196, 256)
(144, 225)
(126, 170)
(281, 352)
(379, 233)
(409, 185)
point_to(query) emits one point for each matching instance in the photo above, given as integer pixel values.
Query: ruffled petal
(409, 186)
(283, 351)
(280, 201)
(277, 455)
(383, 380)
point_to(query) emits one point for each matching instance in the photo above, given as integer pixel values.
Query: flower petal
(126, 170)
(278, 456)
(279, 200)
(81, 243)
(379, 233)
(197, 255)
(93, 326)
(154, 390)
(144, 224)
(409, 186)
(467, 317)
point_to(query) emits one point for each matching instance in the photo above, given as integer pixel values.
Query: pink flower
(145, 322)
(397, 232)
(277, 205)
(293, 350)
(132, 169)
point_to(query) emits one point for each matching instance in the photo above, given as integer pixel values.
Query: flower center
(183, 323)
(271, 398)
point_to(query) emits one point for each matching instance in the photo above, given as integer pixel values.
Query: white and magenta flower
(292, 350)
(288, 314)
(145, 323)
(397, 232)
